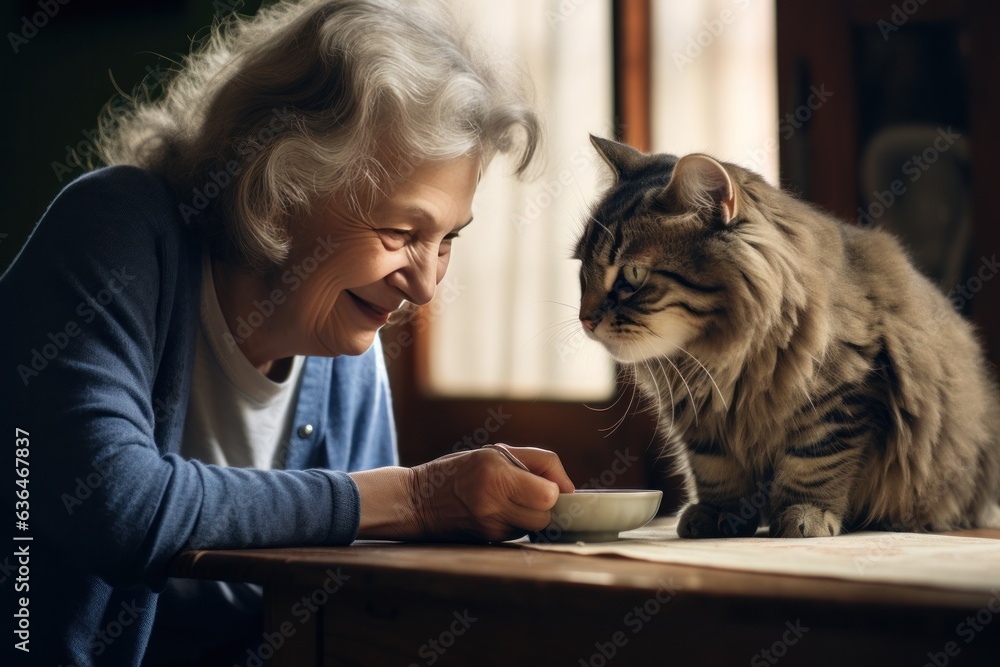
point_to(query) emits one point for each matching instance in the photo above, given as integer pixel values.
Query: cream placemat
(906, 558)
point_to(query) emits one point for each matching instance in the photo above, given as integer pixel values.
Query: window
(505, 324)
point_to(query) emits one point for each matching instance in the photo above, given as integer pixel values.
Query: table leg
(291, 628)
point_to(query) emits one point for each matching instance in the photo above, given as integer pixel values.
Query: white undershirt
(236, 416)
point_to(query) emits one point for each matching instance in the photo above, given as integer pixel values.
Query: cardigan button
(305, 430)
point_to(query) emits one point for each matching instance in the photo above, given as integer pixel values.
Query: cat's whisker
(558, 303)
(694, 403)
(605, 409)
(601, 225)
(563, 339)
(656, 384)
(619, 383)
(660, 358)
(695, 359)
(654, 405)
(610, 431)
(561, 327)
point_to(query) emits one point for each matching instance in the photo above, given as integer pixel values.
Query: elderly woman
(195, 362)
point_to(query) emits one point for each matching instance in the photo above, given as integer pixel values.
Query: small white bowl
(598, 515)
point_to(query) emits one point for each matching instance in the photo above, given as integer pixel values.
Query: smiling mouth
(372, 311)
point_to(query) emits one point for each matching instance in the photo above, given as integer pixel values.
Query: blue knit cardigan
(102, 308)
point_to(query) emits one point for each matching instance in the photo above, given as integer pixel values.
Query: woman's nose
(421, 280)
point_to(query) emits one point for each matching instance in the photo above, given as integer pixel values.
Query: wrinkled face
(352, 272)
(653, 275)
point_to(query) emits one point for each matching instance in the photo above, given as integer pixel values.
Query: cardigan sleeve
(361, 412)
(93, 291)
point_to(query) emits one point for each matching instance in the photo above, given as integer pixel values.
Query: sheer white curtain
(505, 320)
(715, 81)
(511, 328)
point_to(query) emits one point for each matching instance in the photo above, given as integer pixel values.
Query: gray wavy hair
(317, 97)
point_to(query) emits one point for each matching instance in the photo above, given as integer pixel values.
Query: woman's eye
(444, 248)
(394, 238)
(635, 276)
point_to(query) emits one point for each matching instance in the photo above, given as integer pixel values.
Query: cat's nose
(589, 323)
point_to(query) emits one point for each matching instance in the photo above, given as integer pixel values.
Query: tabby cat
(807, 377)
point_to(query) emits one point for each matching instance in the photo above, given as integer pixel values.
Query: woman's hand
(482, 495)
(473, 495)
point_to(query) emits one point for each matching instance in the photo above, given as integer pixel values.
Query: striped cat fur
(806, 376)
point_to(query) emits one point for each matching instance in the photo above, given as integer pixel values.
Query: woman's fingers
(523, 518)
(481, 493)
(530, 491)
(546, 464)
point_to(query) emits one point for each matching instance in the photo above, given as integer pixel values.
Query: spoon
(507, 455)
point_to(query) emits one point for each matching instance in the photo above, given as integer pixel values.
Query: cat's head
(668, 255)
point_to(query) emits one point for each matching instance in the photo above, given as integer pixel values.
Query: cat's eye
(635, 276)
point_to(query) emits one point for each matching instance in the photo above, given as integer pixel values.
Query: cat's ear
(698, 180)
(623, 159)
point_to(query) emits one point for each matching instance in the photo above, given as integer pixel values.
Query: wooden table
(380, 603)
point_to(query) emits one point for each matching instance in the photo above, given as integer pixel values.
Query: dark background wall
(60, 66)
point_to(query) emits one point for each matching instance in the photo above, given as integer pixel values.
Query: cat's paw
(805, 521)
(700, 521)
